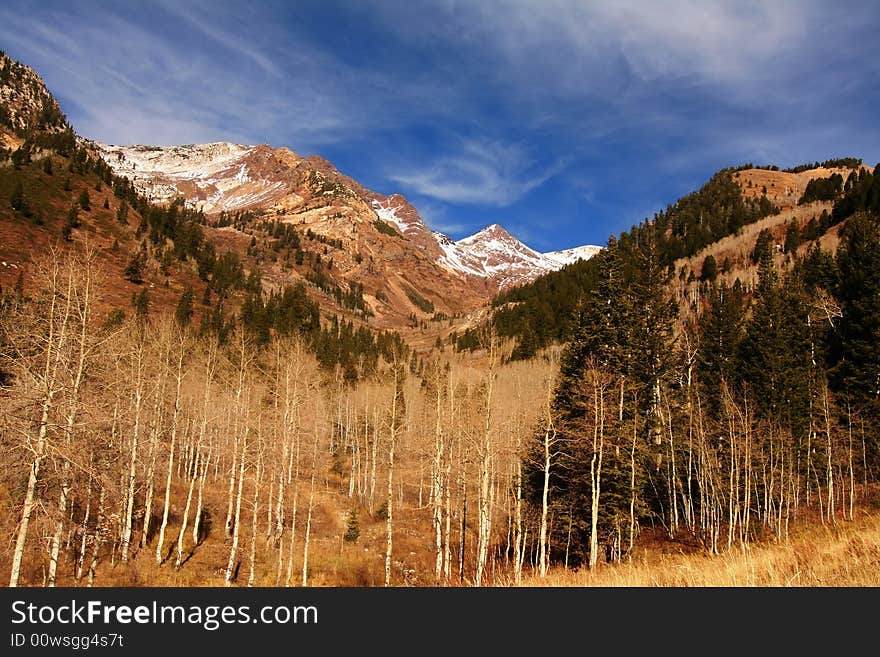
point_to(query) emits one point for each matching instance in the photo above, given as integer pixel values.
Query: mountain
(496, 254)
(310, 192)
(25, 103)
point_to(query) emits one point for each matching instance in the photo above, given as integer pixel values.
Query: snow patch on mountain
(184, 162)
(494, 253)
(457, 258)
(388, 214)
(569, 256)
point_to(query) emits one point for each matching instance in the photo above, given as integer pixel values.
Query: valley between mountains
(233, 365)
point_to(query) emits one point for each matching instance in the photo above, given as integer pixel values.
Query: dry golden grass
(847, 554)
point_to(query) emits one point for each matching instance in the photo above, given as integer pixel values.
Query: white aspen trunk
(830, 477)
(632, 491)
(196, 535)
(596, 467)
(289, 576)
(396, 408)
(132, 467)
(484, 506)
(230, 494)
(447, 542)
(29, 497)
(389, 523)
(547, 445)
(852, 475)
(233, 550)
(98, 536)
(308, 532)
(203, 428)
(374, 457)
(155, 432)
(81, 558)
(181, 535)
(517, 519)
(174, 421)
(254, 515)
(437, 480)
(238, 412)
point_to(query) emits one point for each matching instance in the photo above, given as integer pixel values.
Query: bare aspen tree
(829, 483)
(397, 413)
(256, 502)
(98, 537)
(231, 568)
(548, 445)
(43, 374)
(296, 384)
(181, 534)
(292, 542)
(374, 457)
(163, 356)
(437, 472)
(180, 347)
(138, 358)
(597, 388)
(308, 531)
(84, 533)
(453, 439)
(486, 456)
(210, 364)
(245, 357)
(80, 274)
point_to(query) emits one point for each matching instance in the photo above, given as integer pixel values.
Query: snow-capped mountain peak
(494, 253)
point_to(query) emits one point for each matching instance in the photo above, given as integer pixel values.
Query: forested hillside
(540, 313)
(762, 408)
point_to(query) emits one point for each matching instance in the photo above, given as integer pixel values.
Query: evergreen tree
(764, 246)
(122, 212)
(709, 272)
(134, 270)
(18, 200)
(141, 303)
(184, 311)
(352, 527)
(84, 200)
(775, 354)
(792, 237)
(720, 332)
(597, 328)
(527, 346)
(648, 334)
(856, 352)
(71, 222)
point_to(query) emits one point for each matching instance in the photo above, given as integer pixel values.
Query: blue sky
(565, 121)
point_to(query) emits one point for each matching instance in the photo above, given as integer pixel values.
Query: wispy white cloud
(221, 73)
(203, 17)
(479, 171)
